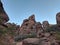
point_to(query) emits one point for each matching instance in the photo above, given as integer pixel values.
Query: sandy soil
(19, 43)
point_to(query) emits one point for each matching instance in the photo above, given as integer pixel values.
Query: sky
(18, 10)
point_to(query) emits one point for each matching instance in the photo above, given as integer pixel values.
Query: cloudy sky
(18, 10)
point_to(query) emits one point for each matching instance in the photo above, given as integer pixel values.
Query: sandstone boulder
(58, 18)
(30, 41)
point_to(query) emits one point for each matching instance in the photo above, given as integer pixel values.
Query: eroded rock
(45, 25)
(30, 25)
(30, 41)
(3, 16)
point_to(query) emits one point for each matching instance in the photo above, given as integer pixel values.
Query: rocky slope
(30, 32)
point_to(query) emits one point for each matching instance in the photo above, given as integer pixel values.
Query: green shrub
(24, 36)
(57, 35)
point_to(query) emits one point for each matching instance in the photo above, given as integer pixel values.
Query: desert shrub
(53, 28)
(9, 31)
(50, 29)
(57, 35)
(24, 36)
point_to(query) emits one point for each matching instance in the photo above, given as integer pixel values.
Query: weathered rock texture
(48, 39)
(45, 25)
(31, 41)
(43, 38)
(30, 25)
(3, 16)
(58, 18)
(5, 38)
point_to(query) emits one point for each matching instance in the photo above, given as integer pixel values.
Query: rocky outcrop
(58, 18)
(38, 26)
(30, 25)
(3, 16)
(48, 39)
(43, 38)
(58, 21)
(5, 38)
(45, 25)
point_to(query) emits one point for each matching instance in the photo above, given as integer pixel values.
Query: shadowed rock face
(3, 15)
(45, 25)
(58, 18)
(30, 41)
(38, 26)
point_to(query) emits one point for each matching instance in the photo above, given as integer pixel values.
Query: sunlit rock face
(39, 29)
(3, 16)
(30, 41)
(45, 25)
(38, 26)
(58, 18)
(30, 25)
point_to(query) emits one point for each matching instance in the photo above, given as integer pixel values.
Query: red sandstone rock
(30, 41)
(30, 25)
(3, 16)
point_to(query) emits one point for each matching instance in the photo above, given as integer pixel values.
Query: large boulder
(30, 41)
(42, 41)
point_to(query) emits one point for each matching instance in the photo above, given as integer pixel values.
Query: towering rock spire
(30, 25)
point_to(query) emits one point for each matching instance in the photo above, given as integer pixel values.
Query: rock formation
(56, 27)
(3, 16)
(48, 39)
(58, 18)
(38, 26)
(5, 38)
(39, 29)
(31, 41)
(30, 25)
(45, 25)
(43, 38)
